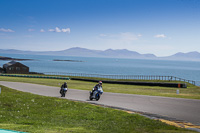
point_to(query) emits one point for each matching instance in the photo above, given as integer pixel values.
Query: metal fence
(33, 76)
(197, 83)
(136, 77)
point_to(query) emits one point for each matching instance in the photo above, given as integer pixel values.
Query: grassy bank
(39, 114)
(192, 92)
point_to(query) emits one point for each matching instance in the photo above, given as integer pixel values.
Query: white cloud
(60, 30)
(66, 30)
(6, 30)
(30, 30)
(160, 36)
(42, 30)
(57, 30)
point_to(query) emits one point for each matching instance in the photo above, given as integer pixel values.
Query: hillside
(109, 53)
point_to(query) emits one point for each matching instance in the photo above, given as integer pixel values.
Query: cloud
(66, 30)
(42, 30)
(31, 30)
(160, 36)
(60, 30)
(57, 30)
(6, 30)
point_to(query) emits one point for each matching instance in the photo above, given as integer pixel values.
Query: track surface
(187, 110)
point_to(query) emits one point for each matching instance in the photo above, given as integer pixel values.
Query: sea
(189, 70)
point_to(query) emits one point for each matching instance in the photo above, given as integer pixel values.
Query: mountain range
(109, 53)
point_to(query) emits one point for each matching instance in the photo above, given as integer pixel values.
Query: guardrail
(136, 77)
(33, 76)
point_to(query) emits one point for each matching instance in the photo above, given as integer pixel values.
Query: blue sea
(189, 70)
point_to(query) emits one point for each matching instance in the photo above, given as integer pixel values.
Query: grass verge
(192, 92)
(39, 114)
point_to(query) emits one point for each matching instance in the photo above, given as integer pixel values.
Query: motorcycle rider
(96, 87)
(62, 90)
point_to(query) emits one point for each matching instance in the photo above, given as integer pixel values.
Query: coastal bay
(15, 59)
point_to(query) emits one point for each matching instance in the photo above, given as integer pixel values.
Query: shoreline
(15, 59)
(68, 60)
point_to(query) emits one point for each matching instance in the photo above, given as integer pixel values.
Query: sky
(160, 27)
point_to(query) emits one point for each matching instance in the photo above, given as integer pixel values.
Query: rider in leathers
(62, 89)
(97, 86)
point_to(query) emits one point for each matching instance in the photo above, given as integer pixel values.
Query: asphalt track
(186, 110)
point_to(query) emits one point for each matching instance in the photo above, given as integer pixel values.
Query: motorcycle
(63, 92)
(96, 94)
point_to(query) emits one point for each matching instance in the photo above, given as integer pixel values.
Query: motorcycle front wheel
(97, 97)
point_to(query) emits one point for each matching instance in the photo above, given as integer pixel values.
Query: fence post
(0, 90)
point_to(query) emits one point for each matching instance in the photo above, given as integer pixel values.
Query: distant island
(68, 60)
(15, 59)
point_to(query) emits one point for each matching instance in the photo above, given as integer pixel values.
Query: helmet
(100, 82)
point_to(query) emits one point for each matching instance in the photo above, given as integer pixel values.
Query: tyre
(64, 93)
(97, 97)
(90, 97)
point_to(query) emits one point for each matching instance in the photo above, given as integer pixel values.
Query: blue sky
(161, 27)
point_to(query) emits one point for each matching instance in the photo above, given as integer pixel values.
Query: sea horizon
(109, 66)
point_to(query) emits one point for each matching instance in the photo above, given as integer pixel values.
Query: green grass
(27, 112)
(192, 92)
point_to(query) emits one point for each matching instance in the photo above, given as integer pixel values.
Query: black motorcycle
(63, 92)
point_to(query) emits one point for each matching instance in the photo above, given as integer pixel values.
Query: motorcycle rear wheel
(90, 97)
